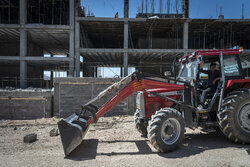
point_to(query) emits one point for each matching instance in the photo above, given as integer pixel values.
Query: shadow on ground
(85, 151)
(192, 144)
(196, 143)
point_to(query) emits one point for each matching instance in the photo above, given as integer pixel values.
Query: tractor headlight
(140, 103)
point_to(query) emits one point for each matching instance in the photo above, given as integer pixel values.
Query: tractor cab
(207, 101)
(196, 70)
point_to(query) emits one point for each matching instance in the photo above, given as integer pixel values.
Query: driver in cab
(212, 82)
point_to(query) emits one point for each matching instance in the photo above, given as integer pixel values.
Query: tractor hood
(170, 88)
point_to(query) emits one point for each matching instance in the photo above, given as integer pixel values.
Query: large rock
(54, 132)
(30, 138)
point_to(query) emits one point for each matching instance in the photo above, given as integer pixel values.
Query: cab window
(188, 70)
(207, 67)
(245, 66)
(231, 66)
(203, 75)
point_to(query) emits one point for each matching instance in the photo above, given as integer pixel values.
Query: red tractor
(166, 106)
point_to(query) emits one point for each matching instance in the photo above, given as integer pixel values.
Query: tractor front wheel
(234, 119)
(166, 129)
(140, 124)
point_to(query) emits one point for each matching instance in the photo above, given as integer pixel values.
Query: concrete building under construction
(56, 35)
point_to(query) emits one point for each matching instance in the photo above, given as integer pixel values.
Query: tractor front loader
(166, 106)
(73, 128)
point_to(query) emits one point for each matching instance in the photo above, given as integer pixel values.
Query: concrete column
(71, 37)
(23, 11)
(95, 73)
(150, 42)
(77, 49)
(23, 74)
(23, 43)
(121, 73)
(124, 69)
(125, 54)
(185, 8)
(126, 8)
(185, 35)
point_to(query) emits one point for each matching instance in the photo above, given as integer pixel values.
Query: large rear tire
(140, 124)
(234, 119)
(166, 129)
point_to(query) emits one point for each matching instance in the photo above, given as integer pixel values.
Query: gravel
(114, 141)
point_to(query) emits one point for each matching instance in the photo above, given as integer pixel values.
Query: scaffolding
(54, 12)
(9, 11)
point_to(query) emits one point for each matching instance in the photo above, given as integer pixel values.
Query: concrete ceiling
(54, 42)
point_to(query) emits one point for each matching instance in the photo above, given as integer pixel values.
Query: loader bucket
(72, 130)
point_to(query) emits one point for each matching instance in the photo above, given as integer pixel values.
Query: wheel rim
(170, 131)
(244, 118)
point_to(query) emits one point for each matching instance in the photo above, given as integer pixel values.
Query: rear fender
(232, 85)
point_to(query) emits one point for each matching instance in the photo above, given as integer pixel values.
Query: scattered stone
(42, 127)
(54, 132)
(111, 123)
(91, 130)
(15, 128)
(24, 128)
(30, 138)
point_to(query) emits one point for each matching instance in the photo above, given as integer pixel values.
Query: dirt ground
(113, 141)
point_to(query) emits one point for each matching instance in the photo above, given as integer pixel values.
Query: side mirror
(167, 73)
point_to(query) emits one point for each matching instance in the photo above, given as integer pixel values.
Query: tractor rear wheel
(140, 124)
(166, 129)
(234, 119)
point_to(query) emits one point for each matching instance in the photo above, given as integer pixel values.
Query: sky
(197, 8)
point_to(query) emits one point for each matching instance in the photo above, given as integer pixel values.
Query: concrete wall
(25, 104)
(71, 93)
(66, 98)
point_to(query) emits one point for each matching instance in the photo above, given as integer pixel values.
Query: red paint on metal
(210, 53)
(129, 89)
(231, 82)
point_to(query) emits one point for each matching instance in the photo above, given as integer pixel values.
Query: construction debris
(21, 128)
(30, 138)
(15, 128)
(24, 128)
